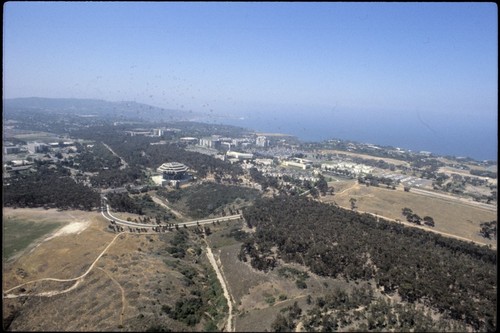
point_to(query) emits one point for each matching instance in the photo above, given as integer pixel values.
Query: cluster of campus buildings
(216, 142)
(35, 147)
(347, 168)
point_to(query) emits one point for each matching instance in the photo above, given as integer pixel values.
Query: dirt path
(122, 292)
(124, 164)
(161, 203)
(213, 262)
(354, 186)
(455, 199)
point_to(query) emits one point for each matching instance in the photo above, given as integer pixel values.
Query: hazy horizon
(431, 65)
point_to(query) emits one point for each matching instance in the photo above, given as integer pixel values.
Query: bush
(301, 284)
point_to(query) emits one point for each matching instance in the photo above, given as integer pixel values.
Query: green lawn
(18, 234)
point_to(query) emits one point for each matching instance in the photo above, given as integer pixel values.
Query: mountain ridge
(99, 107)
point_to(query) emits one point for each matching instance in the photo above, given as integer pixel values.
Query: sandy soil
(72, 228)
(73, 221)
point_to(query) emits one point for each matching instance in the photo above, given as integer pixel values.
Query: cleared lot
(450, 216)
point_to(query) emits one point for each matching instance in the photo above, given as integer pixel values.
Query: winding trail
(161, 203)
(122, 291)
(213, 262)
(78, 279)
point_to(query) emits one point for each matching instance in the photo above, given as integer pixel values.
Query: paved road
(413, 225)
(453, 198)
(108, 216)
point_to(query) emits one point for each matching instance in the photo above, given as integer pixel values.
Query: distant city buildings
(261, 141)
(353, 169)
(156, 132)
(425, 153)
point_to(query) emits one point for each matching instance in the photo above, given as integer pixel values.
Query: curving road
(108, 216)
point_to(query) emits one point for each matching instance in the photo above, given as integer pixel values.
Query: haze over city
(430, 68)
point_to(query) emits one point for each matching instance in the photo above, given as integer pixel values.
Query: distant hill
(96, 107)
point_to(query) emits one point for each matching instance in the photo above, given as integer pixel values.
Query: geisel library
(173, 171)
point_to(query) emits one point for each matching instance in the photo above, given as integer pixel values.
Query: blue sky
(434, 59)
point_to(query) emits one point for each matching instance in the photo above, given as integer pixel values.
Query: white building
(264, 161)
(158, 132)
(210, 142)
(173, 170)
(262, 141)
(353, 168)
(36, 147)
(298, 163)
(189, 140)
(238, 155)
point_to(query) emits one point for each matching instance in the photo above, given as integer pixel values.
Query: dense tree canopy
(50, 188)
(336, 242)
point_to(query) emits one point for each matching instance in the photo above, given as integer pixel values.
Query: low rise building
(347, 167)
(210, 142)
(11, 150)
(189, 140)
(298, 163)
(238, 155)
(264, 161)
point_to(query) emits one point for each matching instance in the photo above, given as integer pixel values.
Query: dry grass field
(125, 290)
(136, 277)
(450, 216)
(386, 159)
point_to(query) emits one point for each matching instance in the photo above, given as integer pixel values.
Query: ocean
(466, 136)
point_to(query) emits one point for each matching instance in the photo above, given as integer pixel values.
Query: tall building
(262, 141)
(158, 132)
(36, 147)
(210, 142)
